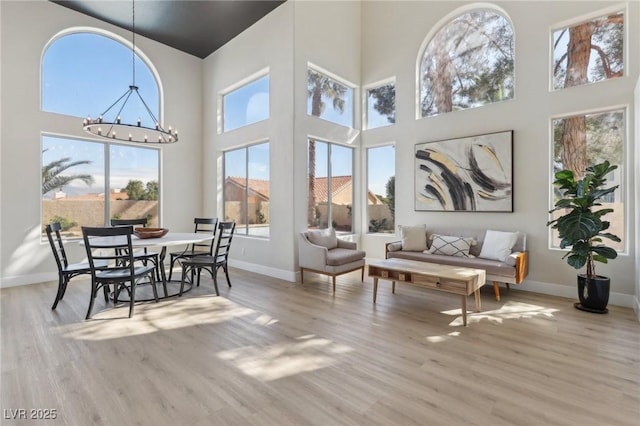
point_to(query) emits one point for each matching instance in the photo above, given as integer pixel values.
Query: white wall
(268, 43)
(26, 28)
(392, 33)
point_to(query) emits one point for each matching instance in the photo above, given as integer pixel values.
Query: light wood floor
(270, 352)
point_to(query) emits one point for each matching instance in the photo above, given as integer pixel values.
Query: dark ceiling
(196, 27)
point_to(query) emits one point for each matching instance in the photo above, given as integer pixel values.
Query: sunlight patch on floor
(306, 353)
(177, 313)
(510, 310)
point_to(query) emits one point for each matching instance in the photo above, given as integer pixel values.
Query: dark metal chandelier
(114, 128)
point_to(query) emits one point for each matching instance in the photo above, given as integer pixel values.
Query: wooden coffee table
(451, 279)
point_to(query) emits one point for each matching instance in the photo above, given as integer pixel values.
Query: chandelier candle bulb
(99, 131)
(138, 122)
(129, 136)
(100, 119)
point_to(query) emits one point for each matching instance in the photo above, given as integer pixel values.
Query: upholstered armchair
(322, 252)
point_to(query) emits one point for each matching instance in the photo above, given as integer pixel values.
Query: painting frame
(469, 174)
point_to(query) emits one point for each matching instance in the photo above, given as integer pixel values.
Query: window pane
(468, 63)
(381, 170)
(318, 196)
(246, 105)
(258, 194)
(341, 188)
(134, 176)
(328, 99)
(83, 74)
(584, 140)
(588, 52)
(381, 106)
(235, 188)
(73, 184)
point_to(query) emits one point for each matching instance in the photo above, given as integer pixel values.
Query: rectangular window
(588, 52)
(584, 140)
(381, 105)
(381, 181)
(246, 189)
(133, 182)
(329, 99)
(77, 174)
(246, 105)
(330, 171)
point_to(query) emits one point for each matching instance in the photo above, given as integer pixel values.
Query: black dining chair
(144, 255)
(66, 270)
(205, 248)
(194, 265)
(122, 272)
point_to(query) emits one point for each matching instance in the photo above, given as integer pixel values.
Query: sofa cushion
(493, 267)
(340, 256)
(497, 245)
(414, 238)
(324, 237)
(450, 245)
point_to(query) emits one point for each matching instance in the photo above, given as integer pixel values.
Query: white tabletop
(171, 239)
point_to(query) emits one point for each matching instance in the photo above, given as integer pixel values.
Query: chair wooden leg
(153, 285)
(59, 292)
(226, 274)
(362, 275)
(334, 284)
(215, 280)
(132, 297)
(94, 290)
(184, 277)
(496, 290)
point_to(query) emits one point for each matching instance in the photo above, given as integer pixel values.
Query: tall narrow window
(584, 140)
(330, 196)
(329, 99)
(80, 187)
(247, 104)
(588, 52)
(381, 188)
(246, 189)
(468, 63)
(381, 105)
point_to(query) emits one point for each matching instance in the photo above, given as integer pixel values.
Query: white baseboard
(617, 299)
(28, 279)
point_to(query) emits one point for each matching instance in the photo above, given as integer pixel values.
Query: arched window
(84, 181)
(467, 63)
(83, 73)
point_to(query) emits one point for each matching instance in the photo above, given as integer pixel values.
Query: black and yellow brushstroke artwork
(474, 180)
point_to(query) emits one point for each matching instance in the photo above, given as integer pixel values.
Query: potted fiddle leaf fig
(581, 230)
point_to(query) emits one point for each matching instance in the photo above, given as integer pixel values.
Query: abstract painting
(474, 173)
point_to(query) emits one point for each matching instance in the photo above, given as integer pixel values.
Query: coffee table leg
(393, 287)
(375, 288)
(464, 310)
(478, 300)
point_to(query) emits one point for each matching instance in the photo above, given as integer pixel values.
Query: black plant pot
(593, 293)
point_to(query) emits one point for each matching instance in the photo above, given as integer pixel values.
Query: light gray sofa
(322, 252)
(512, 270)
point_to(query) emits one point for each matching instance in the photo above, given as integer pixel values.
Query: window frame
(448, 18)
(365, 102)
(624, 170)
(253, 78)
(337, 79)
(619, 8)
(246, 190)
(366, 203)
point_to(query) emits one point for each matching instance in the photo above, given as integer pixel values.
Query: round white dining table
(170, 239)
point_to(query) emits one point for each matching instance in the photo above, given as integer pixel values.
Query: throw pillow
(451, 246)
(497, 245)
(414, 238)
(324, 237)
